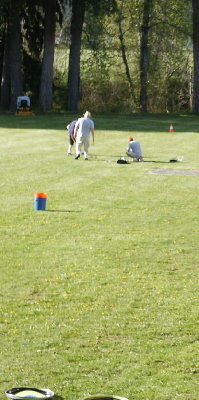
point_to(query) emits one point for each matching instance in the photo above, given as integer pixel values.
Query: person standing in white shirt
(134, 150)
(83, 127)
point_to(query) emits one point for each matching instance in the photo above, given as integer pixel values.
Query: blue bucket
(40, 201)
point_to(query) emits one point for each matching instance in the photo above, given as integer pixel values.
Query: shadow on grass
(56, 397)
(95, 158)
(111, 122)
(64, 211)
(158, 162)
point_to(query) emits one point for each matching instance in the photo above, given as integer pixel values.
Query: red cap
(130, 138)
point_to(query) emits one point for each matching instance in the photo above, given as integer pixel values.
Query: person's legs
(69, 150)
(134, 156)
(86, 147)
(130, 154)
(71, 142)
(78, 147)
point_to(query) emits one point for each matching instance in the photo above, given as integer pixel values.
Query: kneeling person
(134, 150)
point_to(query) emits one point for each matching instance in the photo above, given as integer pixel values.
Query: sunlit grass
(99, 294)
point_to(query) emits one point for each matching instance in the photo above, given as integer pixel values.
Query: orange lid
(41, 195)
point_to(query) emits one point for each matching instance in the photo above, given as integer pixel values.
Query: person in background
(23, 102)
(134, 150)
(83, 127)
(71, 128)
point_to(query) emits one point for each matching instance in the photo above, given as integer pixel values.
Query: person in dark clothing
(70, 128)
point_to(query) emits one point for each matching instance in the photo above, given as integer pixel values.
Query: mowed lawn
(99, 293)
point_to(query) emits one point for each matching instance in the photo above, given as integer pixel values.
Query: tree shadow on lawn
(159, 123)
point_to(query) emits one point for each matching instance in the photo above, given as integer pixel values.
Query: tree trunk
(78, 8)
(15, 52)
(125, 61)
(195, 5)
(46, 86)
(11, 84)
(144, 55)
(5, 78)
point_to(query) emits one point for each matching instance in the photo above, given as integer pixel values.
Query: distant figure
(83, 127)
(71, 129)
(134, 150)
(23, 101)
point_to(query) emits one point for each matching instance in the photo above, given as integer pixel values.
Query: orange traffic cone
(171, 129)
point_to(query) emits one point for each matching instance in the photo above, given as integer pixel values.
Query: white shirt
(85, 125)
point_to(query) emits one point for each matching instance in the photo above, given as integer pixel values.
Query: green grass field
(99, 293)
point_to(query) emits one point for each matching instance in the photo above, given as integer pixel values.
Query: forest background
(104, 55)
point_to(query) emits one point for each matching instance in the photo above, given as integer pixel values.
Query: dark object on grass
(122, 161)
(27, 393)
(173, 160)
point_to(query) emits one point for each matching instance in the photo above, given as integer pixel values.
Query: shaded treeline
(135, 55)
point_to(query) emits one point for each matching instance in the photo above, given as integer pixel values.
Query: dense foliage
(134, 55)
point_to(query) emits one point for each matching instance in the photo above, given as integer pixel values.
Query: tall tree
(11, 86)
(195, 5)
(96, 7)
(77, 19)
(119, 21)
(5, 76)
(33, 36)
(144, 54)
(15, 50)
(46, 86)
